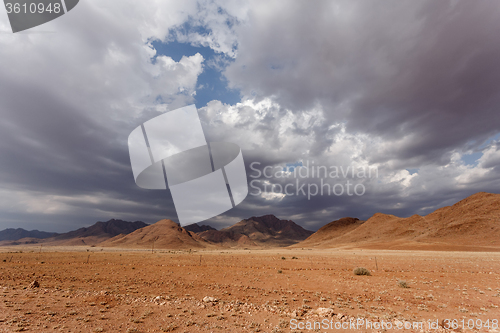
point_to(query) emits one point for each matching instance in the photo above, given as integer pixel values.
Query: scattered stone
(298, 313)
(34, 285)
(209, 299)
(324, 312)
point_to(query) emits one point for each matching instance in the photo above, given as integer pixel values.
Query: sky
(409, 89)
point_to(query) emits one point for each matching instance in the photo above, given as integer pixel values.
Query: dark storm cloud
(68, 102)
(398, 84)
(423, 75)
(414, 83)
(50, 147)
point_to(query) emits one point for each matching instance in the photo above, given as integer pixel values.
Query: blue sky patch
(211, 85)
(472, 159)
(291, 166)
(492, 139)
(412, 171)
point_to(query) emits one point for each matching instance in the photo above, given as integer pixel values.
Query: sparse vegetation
(283, 258)
(403, 284)
(362, 271)
(237, 304)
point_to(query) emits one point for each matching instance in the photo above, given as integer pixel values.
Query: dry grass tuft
(403, 284)
(362, 271)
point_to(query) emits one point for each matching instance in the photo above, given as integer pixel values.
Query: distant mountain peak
(266, 230)
(196, 228)
(272, 222)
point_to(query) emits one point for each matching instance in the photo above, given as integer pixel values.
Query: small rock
(209, 299)
(298, 313)
(34, 284)
(324, 312)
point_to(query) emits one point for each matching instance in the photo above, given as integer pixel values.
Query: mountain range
(92, 235)
(470, 224)
(16, 234)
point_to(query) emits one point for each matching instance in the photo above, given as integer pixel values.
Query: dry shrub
(403, 284)
(362, 271)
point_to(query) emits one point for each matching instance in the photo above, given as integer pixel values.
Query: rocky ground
(89, 290)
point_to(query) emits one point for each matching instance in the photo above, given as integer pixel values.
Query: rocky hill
(164, 234)
(267, 231)
(196, 228)
(470, 224)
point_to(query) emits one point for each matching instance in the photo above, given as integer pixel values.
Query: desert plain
(93, 289)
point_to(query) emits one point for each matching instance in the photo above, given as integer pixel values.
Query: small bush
(362, 271)
(295, 258)
(283, 258)
(280, 271)
(403, 284)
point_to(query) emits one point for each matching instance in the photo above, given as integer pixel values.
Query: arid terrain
(472, 224)
(433, 273)
(93, 289)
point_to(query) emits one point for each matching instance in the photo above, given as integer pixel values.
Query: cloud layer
(408, 88)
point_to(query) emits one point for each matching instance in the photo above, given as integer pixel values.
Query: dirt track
(252, 291)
